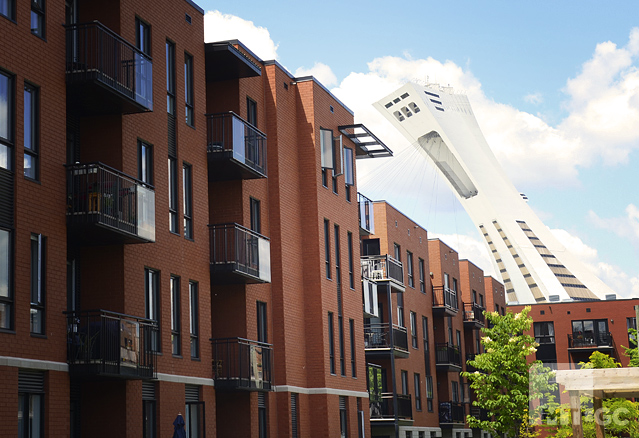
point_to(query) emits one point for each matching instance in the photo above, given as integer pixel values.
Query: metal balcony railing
(242, 364)
(384, 410)
(102, 343)
(448, 355)
(366, 215)
(230, 136)
(479, 413)
(470, 368)
(444, 297)
(590, 340)
(451, 413)
(99, 194)
(235, 249)
(473, 313)
(378, 336)
(382, 268)
(95, 53)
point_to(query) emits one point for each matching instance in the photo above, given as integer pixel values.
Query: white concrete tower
(533, 265)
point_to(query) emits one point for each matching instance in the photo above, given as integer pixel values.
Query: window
(8, 9)
(152, 305)
(37, 18)
(331, 342)
(343, 418)
(413, 328)
(455, 391)
(422, 275)
(351, 324)
(188, 89)
(454, 285)
(6, 122)
(187, 199)
(544, 332)
(481, 300)
(349, 172)
(143, 36)
(6, 297)
(397, 252)
(256, 216)
(37, 284)
(340, 327)
(31, 132)
(251, 111)
(173, 197)
(429, 393)
(338, 269)
(474, 296)
(409, 263)
(404, 382)
(194, 317)
(351, 275)
(400, 309)
(418, 394)
(174, 284)
(631, 323)
(170, 78)
(30, 404)
(294, 416)
(149, 410)
(592, 332)
(194, 412)
(262, 322)
(425, 332)
(327, 248)
(145, 162)
(458, 333)
(262, 418)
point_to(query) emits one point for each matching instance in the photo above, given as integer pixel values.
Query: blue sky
(554, 86)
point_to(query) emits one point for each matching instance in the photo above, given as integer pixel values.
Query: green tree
(631, 351)
(502, 384)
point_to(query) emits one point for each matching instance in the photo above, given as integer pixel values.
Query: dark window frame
(170, 77)
(188, 90)
(145, 162)
(38, 285)
(327, 248)
(176, 344)
(8, 301)
(331, 342)
(351, 274)
(418, 393)
(194, 319)
(262, 322)
(256, 215)
(8, 142)
(422, 275)
(11, 10)
(38, 12)
(338, 265)
(187, 199)
(409, 270)
(351, 324)
(251, 111)
(143, 36)
(173, 196)
(152, 305)
(25, 403)
(33, 126)
(413, 330)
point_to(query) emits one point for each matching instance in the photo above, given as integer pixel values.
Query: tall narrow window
(327, 248)
(173, 198)
(262, 321)
(351, 324)
(251, 111)
(149, 410)
(30, 404)
(429, 393)
(342, 362)
(426, 346)
(6, 296)
(8, 9)
(397, 252)
(152, 304)
(194, 319)
(37, 18)
(194, 412)
(188, 89)
(170, 78)
(422, 276)
(142, 36)
(338, 269)
(37, 284)
(343, 417)
(175, 315)
(351, 274)
(187, 199)
(145, 162)
(331, 342)
(349, 172)
(294, 415)
(262, 417)
(6, 122)
(413, 329)
(404, 375)
(455, 391)
(418, 392)
(327, 154)
(31, 132)
(409, 268)
(256, 216)
(400, 309)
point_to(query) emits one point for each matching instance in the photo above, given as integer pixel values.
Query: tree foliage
(502, 382)
(631, 351)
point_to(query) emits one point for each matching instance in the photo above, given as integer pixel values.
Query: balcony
(448, 357)
(383, 268)
(105, 74)
(236, 149)
(479, 413)
(242, 365)
(451, 414)
(109, 344)
(384, 410)
(445, 301)
(238, 255)
(366, 215)
(473, 315)
(379, 340)
(470, 368)
(106, 206)
(589, 341)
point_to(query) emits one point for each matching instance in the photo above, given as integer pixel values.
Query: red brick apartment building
(420, 328)
(241, 308)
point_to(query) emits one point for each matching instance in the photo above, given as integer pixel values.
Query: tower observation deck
(532, 263)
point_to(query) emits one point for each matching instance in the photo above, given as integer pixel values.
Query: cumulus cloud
(626, 227)
(222, 27)
(469, 248)
(320, 71)
(534, 98)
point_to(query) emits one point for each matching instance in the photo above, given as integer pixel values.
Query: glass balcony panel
(242, 364)
(366, 215)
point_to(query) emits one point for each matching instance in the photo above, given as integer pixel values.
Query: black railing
(474, 313)
(108, 343)
(238, 249)
(590, 340)
(451, 413)
(470, 368)
(95, 53)
(445, 297)
(377, 336)
(242, 364)
(366, 215)
(448, 355)
(384, 410)
(382, 268)
(97, 193)
(479, 413)
(229, 133)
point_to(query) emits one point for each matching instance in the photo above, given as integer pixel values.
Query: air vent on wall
(553, 297)
(187, 17)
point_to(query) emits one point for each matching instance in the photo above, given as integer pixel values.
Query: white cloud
(468, 248)
(320, 71)
(222, 27)
(534, 98)
(626, 227)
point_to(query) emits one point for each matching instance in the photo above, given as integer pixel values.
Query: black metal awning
(368, 145)
(224, 61)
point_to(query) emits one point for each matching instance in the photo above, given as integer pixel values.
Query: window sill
(7, 331)
(9, 18)
(175, 233)
(40, 37)
(196, 359)
(36, 181)
(38, 335)
(177, 356)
